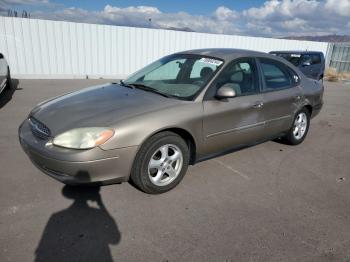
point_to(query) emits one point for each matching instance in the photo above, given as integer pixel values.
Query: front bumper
(70, 166)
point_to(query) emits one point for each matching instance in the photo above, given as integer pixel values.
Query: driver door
(237, 121)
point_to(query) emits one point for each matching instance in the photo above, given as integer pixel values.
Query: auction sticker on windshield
(210, 61)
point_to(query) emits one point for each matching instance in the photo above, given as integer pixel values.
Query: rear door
(282, 95)
(236, 121)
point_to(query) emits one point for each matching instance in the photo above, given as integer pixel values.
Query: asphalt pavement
(270, 202)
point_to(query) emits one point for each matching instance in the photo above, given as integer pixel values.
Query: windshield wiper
(150, 89)
(126, 85)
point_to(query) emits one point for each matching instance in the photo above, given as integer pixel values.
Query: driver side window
(241, 76)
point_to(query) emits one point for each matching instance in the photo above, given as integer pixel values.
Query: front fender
(136, 130)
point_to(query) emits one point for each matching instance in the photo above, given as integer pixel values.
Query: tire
(321, 78)
(296, 135)
(9, 80)
(161, 163)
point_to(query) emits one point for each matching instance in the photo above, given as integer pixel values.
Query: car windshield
(295, 59)
(181, 76)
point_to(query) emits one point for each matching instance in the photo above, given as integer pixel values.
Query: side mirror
(225, 92)
(306, 63)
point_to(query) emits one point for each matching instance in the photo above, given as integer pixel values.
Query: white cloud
(132, 9)
(273, 18)
(340, 7)
(294, 23)
(299, 17)
(221, 21)
(261, 13)
(224, 13)
(284, 8)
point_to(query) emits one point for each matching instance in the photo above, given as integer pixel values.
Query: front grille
(39, 129)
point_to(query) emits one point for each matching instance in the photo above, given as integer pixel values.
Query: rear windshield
(297, 59)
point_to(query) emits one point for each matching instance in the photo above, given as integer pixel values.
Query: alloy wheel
(165, 165)
(300, 125)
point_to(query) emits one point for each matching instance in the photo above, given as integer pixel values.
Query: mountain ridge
(323, 38)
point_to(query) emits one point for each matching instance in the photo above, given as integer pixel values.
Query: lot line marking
(232, 169)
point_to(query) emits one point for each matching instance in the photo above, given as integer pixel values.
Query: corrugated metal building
(57, 49)
(339, 57)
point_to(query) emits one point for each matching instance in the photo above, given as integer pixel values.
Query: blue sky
(270, 18)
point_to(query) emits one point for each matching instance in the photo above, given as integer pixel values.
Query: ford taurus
(179, 110)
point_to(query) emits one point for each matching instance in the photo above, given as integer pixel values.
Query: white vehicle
(5, 77)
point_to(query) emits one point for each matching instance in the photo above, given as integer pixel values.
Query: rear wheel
(300, 127)
(161, 163)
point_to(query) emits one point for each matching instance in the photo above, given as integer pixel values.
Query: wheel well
(189, 140)
(309, 108)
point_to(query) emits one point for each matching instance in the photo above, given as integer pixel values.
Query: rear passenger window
(295, 77)
(275, 74)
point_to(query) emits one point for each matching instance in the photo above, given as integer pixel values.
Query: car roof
(226, 53)
(229, 54)
(297, 52)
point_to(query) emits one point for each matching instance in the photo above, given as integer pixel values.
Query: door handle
(258, 105)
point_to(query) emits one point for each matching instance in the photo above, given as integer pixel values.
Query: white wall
(56, 49)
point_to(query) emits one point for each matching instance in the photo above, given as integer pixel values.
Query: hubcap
(300, 125)
(165, 165)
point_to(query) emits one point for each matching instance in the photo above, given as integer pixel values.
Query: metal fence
(340, 57)
(57, 49)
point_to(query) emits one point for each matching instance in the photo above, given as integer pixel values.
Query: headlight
(83, 138)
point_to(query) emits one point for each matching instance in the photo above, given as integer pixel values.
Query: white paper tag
(210, 61)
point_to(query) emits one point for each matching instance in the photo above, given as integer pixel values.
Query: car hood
(98, 106)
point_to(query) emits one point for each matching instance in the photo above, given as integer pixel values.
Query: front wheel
(161, 163)
(300, 127)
